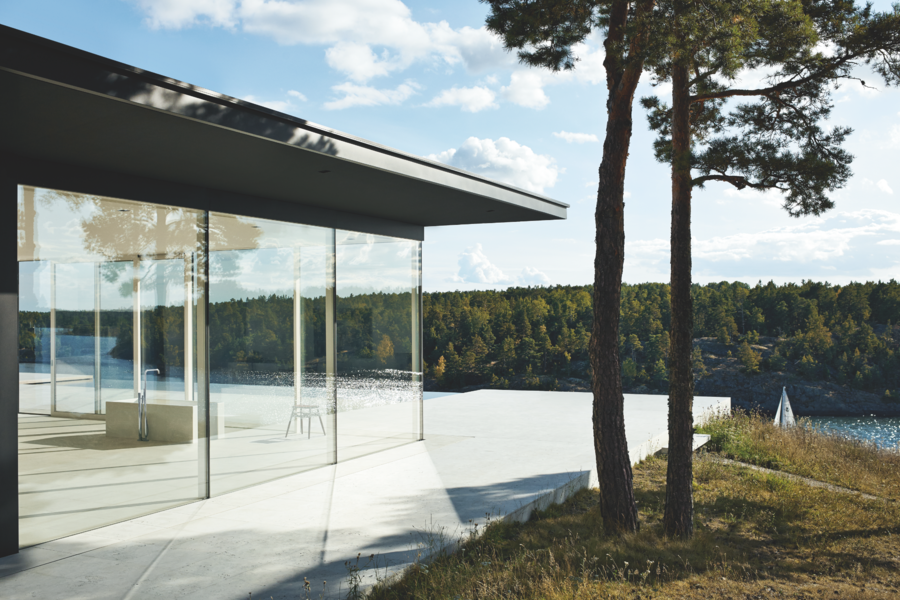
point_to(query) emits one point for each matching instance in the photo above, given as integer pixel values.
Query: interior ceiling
(52, 122)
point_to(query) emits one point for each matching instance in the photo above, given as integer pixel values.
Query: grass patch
(757, 536)
(806, 451)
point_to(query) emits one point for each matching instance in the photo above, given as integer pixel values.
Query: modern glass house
(198, 294)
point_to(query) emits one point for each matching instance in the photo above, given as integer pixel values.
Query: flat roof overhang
(64, 105)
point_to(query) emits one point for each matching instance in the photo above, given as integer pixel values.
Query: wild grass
(757, 536)
(806, 451)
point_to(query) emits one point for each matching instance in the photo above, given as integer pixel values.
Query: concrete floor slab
(486, 453)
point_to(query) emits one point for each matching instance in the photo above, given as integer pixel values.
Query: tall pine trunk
(679, 513)
(617, 505)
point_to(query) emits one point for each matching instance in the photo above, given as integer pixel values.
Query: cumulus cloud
(366, 38)
(363, 95)
(881, 185)
(176, 14)
(531, 276)
(576, 138)
(475, 267)
(359, 62)
(503, 160)
(295, 94)
(469, 99)
(526, 88)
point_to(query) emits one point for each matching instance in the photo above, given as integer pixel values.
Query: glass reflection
(89, 331)
(266, 348)
(379, 387)
(268, 343)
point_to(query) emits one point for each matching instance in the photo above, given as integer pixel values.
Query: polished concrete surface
(486, 453)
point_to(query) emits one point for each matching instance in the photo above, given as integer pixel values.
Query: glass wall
(93, 272)
(378, 384)
(271, 404)
(167, 355)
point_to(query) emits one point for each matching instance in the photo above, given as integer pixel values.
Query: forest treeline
(247, 334)
(821, 331)
(532, 337)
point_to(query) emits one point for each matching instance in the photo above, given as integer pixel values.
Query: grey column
(201, 357)
(298, 339)
(52, 338)
(136, 324)
(98, 407)
(331, 338)
(188, 327)
(418, 366)
(9, 367)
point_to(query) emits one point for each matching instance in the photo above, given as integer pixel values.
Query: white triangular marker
(784, 416)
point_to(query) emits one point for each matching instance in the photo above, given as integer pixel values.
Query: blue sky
(424, 77)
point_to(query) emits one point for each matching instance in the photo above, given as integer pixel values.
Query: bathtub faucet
(143, 430)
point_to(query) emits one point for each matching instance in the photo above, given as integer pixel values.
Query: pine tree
(544, 32)
(749, 358)
(439, 369)
(777, 143)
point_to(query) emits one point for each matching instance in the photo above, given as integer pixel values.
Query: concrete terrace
(486, 453)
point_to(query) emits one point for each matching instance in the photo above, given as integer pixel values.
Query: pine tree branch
(834, 65)
(737, 181)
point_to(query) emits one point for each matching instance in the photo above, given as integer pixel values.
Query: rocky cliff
(763, 391)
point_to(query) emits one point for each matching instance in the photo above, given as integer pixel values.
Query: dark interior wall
(9, 366)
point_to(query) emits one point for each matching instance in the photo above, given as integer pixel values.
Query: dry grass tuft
(757, 536)
(806, 451)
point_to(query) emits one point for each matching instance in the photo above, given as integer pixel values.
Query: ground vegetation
(757, 535)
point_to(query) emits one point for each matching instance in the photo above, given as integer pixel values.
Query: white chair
(305, 411)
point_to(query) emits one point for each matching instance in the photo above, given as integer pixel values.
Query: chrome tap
(143, 430)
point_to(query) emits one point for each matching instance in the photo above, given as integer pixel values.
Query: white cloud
(526, 88)
(475, 267)
(576, 138)
(531, 276)
(295, 94)
(176, 14)
(359, 62)
(881, 185)
(363, 95)
(352, 28)
(470, 99)
(589, 68)
(503, 160)
(889, 243)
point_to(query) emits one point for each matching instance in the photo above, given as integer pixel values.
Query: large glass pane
(116, 332)
(73, 338)
(34, 336)
(102, 303)
(267, 332)
(379, 384)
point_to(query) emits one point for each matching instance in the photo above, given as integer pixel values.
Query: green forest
(532, 337)
(244, 335)
(820, 331)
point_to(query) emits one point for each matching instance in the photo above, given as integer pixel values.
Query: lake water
(884, 431)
